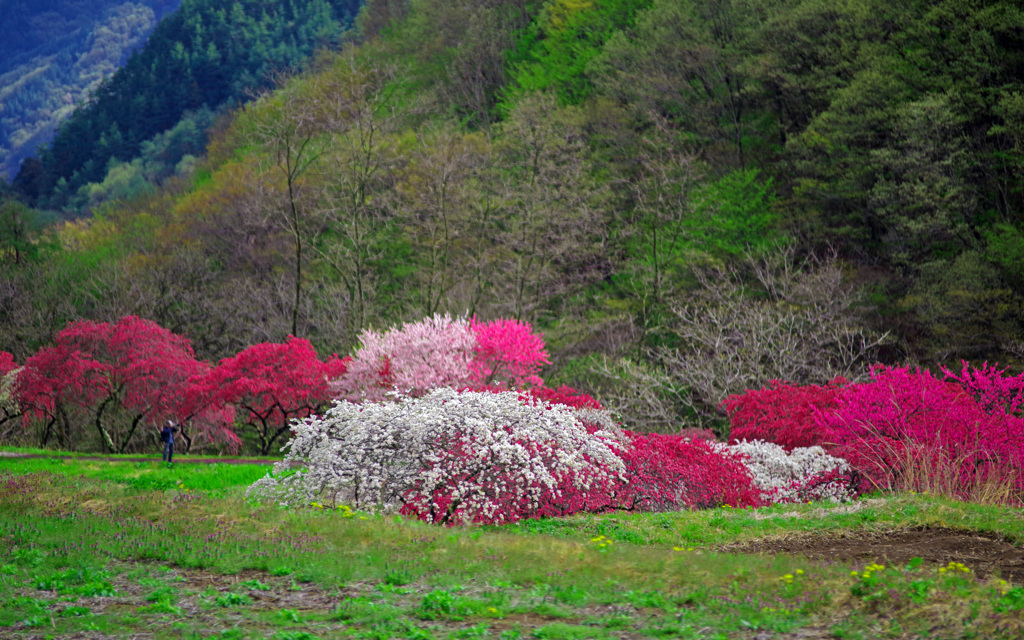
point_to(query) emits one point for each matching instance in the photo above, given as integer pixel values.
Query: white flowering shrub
(805, 473)
(447, 457)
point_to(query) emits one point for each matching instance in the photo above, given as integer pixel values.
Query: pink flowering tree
(271, 384)
(120, 378)
(413, 358)
(507, 353)
(442, 351)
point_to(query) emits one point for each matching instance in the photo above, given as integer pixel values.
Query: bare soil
(984, 553)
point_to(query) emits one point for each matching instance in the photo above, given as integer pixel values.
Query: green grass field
(98, 549)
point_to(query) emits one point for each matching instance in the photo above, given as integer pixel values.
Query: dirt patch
(985, 553)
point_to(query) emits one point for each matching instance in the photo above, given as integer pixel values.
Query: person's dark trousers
(168, 451)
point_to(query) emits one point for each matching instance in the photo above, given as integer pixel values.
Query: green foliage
(554, 51)
(566, 162)
(733, 215)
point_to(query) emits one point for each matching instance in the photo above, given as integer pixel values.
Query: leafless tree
(778, 319)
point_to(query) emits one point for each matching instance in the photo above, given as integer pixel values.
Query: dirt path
(985, 553)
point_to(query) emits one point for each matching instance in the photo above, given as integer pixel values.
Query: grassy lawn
(95, 549)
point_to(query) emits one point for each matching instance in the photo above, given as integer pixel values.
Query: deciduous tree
(120, 377)
(272, 384)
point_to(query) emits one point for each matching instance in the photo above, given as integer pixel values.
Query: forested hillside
(144, 119)
(688, 198)
(53, 53)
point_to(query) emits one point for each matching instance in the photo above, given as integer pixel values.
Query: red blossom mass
(272, 384)
(120, 377)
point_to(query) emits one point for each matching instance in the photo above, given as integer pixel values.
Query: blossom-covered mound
(492, 457)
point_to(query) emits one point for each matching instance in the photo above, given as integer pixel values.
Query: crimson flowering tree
(442, 351)
(52, 384)
(272, 384)
(782, 413)
(117, 377)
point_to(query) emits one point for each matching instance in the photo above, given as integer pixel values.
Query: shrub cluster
(448, 420)
(960, 434)
(799, 475)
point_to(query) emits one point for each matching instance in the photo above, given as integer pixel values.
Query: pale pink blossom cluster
(442, 351)
(446, 456)
(800, 475)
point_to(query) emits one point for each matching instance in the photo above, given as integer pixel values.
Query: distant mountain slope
(202, 56)
(53, 53)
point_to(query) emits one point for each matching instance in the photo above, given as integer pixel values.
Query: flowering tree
(442, 351)
(272, 384)
(508, 353)
(782, 413)
(995, 391)
(117, 377)
(9, 409)
(413, 358)
(446, 457)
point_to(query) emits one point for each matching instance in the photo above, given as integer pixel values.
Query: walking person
(167, 437)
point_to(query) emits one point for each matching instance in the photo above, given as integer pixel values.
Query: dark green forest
(53, 54)
(687, 198)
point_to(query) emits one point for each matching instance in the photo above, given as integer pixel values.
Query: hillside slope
(201, 57)
(53, 54)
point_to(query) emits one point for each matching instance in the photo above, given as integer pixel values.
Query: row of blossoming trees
(117, 383)
(449, 420)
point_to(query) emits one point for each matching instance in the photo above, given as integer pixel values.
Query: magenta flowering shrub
(906, 421)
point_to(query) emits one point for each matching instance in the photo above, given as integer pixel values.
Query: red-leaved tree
(271, 384)
(782, 413)
(118, 378)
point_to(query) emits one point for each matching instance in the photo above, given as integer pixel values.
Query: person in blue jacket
(167, 437)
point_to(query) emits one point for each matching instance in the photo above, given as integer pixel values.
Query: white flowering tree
(447, 457)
